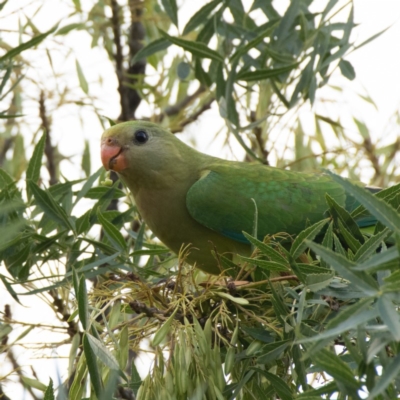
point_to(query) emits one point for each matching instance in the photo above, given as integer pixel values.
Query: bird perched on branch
(187, 197)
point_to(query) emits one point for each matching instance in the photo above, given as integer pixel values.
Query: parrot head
(140, 150)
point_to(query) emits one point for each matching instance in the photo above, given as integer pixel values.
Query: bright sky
(378, 73)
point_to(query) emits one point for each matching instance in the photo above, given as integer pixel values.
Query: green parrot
(190, 198)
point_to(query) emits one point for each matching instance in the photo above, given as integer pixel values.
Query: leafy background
(51, 242)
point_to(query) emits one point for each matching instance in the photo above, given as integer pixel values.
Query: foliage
(305, 318)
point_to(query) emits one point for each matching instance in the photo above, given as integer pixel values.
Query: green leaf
(347, 69)
(370, 246)
(83, 222)
(355, 318)
(370, 39)
(352, 242)
(49, 393)
(5, 179)
(5, 330)
(344, 267)
(196, 48)
(171, 9)
(82, 80)
(377, 207)
(200, 17)
(254, 42)
(9, 288)
(267, 265)
(112, 233)
(150, 49)
(83, 303)
(280, 386)
(299, 244)
(272, 351)
(162, 333)
(266, 249)
(390, 372)
(378, 259)
(250, 76)
(34, 383)
(50, 207)
(70, 27)
(99, 191)
(92, 367)
(334, 366)
(101, 351)
(88, 184)
(86, 162)
(389, 315)
(35, 163)
(341, 214)
(237, 300)
(27, 45)
(136, 381)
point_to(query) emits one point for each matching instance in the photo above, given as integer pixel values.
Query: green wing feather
(287, 201)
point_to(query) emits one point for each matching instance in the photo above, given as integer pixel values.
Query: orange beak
(112, 155)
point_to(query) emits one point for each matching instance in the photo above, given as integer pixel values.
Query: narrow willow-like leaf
(35, 163)
(341, 214)
(266, 249)
(49, 393)
(83, 223)
(49, 205)
(266, 265)
(389, 315)
(99, 191)
(344, 267)
(370, 246)
(9, 288)
(92, 367)
(151, 48)
(70, 27)
(83, 306)
(352, 242)
(171, 9)
(299, 244)
(250, 76)
(237, 300)
(198, 49)
(390, 372)
(136, 381)
(378, 259)
(377, 207)
(200, 17)
(5, 179)
(254, 42)
(280, 386)
(161, 334)
(272, 351)
(34, 383)
(81, 76)
(112, 233)
(334, 366)
(86, 162)
(88, 184)
(102, 352)
(27, 45)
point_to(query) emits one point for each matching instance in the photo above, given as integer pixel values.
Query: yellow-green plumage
(187, 197)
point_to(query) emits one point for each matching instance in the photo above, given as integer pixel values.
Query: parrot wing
(287, 201)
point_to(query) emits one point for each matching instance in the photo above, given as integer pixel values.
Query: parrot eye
(141, 137)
